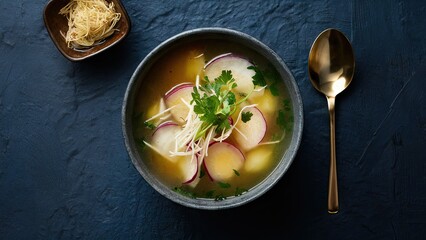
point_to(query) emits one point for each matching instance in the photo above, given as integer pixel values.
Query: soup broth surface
(182, 64)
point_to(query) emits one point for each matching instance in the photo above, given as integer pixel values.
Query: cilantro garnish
(281, 119)
(261, 77)
(214, 102)
(140, 142)
(285, 118)
(258, 78)
(246, 116)
(224, 185)
(220, 197)
(184, 192)
(209, 194)
(239, 191)
(236, 172)
(149, 125)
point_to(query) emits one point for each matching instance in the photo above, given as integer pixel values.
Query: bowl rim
(289, 154)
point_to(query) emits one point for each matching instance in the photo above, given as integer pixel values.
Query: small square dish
(57, 25)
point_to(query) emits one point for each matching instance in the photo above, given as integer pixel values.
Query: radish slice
(163, 139)
(252, 132)
(258, 159)
(238, 67)
(188, 166)
(174, 98)
(222, 161)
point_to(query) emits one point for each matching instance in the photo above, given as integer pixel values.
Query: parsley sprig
(214, 102)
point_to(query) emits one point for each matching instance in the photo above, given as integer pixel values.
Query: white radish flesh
(222, 161)
(163, 139)
(252, 132)
(238, 67)
(188, 166)
(175, 97)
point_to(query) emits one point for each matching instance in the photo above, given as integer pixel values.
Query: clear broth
(172, 69)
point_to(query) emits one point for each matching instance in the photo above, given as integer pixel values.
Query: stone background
(65, 172)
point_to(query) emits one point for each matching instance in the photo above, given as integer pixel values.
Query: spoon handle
(333, 196)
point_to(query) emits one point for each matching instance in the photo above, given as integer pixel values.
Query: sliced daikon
(239, 70)
(249, 134)
(176, 98)
(163, 139)
(222, 161)
(188, 165)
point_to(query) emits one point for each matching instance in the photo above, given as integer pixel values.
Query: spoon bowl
(331, 66)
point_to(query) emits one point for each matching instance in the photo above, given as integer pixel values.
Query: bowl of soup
(212, 118)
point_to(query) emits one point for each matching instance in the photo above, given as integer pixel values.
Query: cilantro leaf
(246, 116)
(274, 77)
(236, 172)
(214, 102)
(184, 192)
(209, 194)
(281, 119)
(219, 197)
(258, 78)
(239, 191)
(149, 125)
(224, 185)
(140, 142)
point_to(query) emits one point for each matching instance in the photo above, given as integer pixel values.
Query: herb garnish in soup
(212, 119)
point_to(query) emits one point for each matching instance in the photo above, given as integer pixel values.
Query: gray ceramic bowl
(220, 34)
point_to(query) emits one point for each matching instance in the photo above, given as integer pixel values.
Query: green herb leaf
(281, 119)
(214, 102)
(239, 191)
(210, 194)
(246, 116)
(184, 192)
(224, 185)
(220, 197)
(236, 172)
(274, 89)
(140, 142)
(287, 105)
(258, 78)
(274, 78)
(149, 125)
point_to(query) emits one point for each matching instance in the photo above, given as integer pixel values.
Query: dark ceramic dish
(56, 23)
(212, 34)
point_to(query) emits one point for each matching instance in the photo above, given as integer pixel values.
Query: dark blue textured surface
(65, 173)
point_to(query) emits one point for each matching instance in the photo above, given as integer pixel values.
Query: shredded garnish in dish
(89, 22)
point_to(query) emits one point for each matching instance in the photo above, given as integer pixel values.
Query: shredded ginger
(89, 22)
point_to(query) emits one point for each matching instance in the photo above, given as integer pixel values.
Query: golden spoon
(331, 66)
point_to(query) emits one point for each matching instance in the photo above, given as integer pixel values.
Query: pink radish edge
(206, 168)
(230, 54)
(177, 88)
(194, 176)
(266, 124)
(250, 142)
(164, 124)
